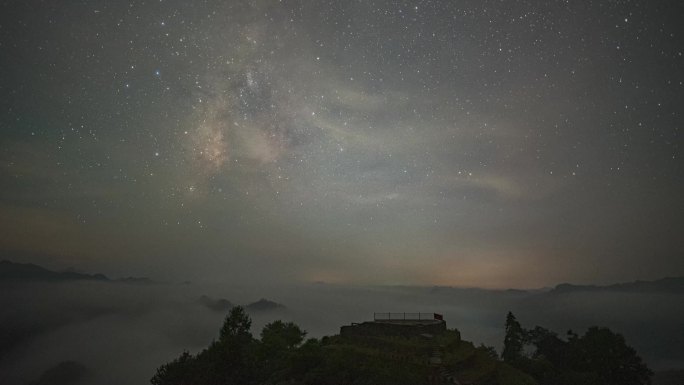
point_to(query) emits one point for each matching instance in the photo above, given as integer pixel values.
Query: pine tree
(514, 339)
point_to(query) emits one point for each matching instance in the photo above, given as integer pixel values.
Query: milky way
(482, 143)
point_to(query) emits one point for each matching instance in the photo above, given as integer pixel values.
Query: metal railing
(403, 316)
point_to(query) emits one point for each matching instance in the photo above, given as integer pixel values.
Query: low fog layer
(122, 332)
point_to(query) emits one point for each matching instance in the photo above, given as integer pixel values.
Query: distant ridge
(477, 290)
(18, 272)
(663, 285)
(28, 272)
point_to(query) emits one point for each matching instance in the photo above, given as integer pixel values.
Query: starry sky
(464, 142)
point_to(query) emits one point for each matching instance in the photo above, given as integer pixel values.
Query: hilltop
(282, 356)
(411, 352)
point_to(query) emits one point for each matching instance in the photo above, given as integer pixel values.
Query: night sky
(465, 143)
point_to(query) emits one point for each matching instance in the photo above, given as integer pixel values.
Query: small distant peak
(219, 304)
(264, 305)
(136, 280)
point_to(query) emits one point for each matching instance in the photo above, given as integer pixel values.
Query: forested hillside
(282, 356)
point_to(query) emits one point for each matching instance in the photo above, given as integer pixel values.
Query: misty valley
(94, 330)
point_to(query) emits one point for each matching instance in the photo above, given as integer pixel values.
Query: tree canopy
(599, 357)
(514, 339)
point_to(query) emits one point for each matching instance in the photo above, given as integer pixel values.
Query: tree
(489, 350)
(236, 326)
(599, 357)
(278, 348)
(514, 339)
(607, 354)
(547, 344)
(279, 335)
(180, 371)
(231, 360)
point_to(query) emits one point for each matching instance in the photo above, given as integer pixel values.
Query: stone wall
(394, 328)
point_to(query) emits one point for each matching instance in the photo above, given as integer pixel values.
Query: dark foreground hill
(282, 356)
